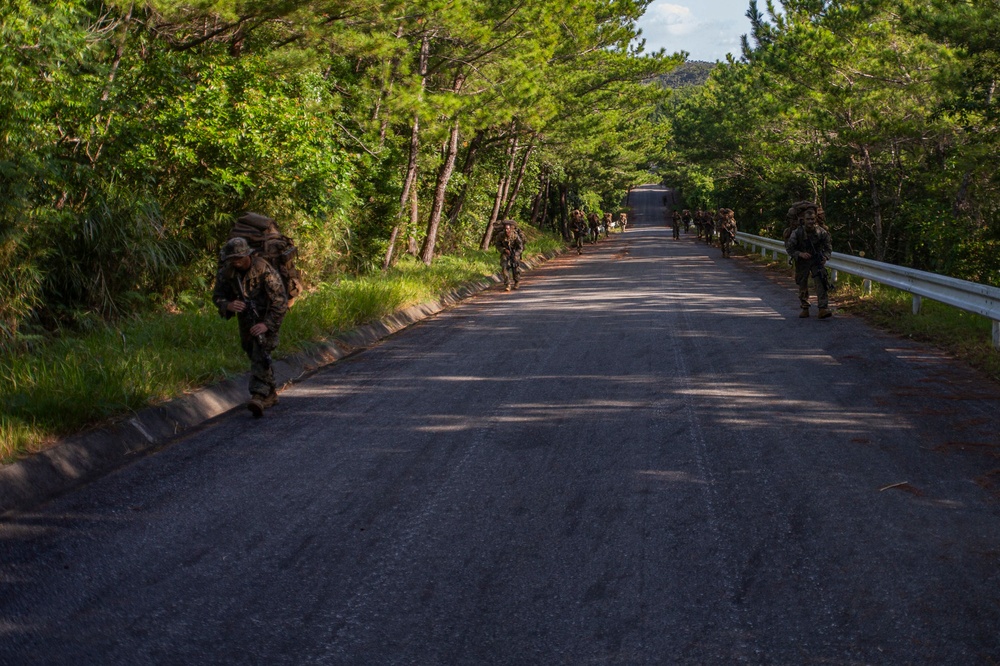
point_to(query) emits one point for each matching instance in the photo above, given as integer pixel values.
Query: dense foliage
(133, 131)
(885, 111)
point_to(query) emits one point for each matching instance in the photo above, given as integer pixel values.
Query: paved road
(641, 457)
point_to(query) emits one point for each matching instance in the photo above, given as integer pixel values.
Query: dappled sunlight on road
(729, 404)
(668, 476)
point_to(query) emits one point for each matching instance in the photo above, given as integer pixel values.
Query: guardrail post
(866, 287)
(833, 274)
(996, 335)
(917, 302)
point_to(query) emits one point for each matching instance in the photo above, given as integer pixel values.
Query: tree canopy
(135, 131)
(885, 112)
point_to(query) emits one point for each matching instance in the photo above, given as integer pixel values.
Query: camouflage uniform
(622, 221)
(812, 238)
(675, 223)
(727, 231)
(260, 286)
(609, 219)
(595, 227)
(510, 243)
(578, 225)
(686, 218)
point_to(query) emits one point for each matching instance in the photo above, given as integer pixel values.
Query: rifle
(511, 261)
(817, 266)
(255, 318)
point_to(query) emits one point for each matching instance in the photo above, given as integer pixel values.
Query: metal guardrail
(969, 296)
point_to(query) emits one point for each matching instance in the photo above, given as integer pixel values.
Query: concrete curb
(88, 455)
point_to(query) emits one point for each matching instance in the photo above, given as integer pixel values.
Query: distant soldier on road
(595, 227)
(622, 221)
(248, 287)
(675, 224)
(727, 231)
(578, 227)
(609, 220)
(510, 242)
(686, 219)
(811, 247)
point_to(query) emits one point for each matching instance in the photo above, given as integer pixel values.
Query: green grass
(965, 335)
(71, 383)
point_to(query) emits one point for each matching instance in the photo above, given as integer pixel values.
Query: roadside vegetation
(134, 134)
(66, 384)
(884, 111)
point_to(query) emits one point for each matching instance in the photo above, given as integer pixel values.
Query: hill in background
(691, 73)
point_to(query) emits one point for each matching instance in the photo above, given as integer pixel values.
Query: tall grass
(69, 384)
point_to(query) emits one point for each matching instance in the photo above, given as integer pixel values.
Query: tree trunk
(484, 241)
(545, 203)
(408, 182)
(961, 203)
(502, 187)
(563, 212)
(876, 205)
(470, 160)
(444, 175)
(106, 95)
(411, 167)
(520, 178)
(411, 247)
(536, 202)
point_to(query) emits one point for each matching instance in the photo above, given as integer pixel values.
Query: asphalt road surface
(643, 456)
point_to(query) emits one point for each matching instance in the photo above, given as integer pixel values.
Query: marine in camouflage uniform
(578, 226)
(727, 231)
(711, 220)
(248, 287)
(622, 221)
(811, 247)
(686, 218)
(675, 224)
(510, 243)
(793, 220)
(609, 219)
(595, 227)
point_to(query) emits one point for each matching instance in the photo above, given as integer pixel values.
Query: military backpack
(267, 241)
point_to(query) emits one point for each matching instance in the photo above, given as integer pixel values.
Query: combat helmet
(235, 248)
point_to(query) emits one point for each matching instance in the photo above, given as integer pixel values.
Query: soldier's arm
(792, 243)
(827, 248)
(221, 296)
(277, 302)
